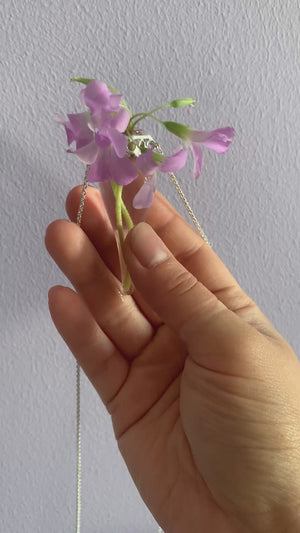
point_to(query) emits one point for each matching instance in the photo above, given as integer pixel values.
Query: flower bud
(182, 102)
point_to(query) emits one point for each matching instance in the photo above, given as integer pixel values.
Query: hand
(203, 392)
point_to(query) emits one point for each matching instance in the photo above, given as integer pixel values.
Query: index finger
(188, 246)
(198, 257)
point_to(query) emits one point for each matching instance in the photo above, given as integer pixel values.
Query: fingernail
(147, 246)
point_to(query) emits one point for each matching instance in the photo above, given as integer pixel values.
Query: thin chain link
(82, 199)
(188, 208)
(78, 443)
(78, 388)
(184, 200)
(78, 391)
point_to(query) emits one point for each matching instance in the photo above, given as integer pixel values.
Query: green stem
(122, 210)
(126, 216)
(144, 116)
(129, 224)
(150, 112)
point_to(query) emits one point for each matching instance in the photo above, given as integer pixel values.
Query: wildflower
(98, 134)
(105, 108)
(107, 139)
(148, 163)
(218, 140)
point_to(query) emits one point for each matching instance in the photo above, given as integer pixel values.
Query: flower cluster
(106, 139)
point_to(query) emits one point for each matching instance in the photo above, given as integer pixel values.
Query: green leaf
(178, 129)
(157, 158)
(85, 81)
(182, 102)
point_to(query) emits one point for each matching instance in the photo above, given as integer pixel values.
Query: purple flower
(99, 138)
(218, 140)
(104, 107)
(147, 164)
(109, 160)
(77, 128)
(96, 96)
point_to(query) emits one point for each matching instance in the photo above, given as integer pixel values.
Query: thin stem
(129, 224)
(150, 112)
(126, 216)
(127, 281)
(121, 209)
(117, 190)
(147, 115)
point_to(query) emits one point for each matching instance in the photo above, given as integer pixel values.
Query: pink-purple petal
(100, 170)
(120, 120)
(60, 119)
(102, 140)
(87, 153)
(218, 140)
(101, 118)
(79, 124)
(122, 169)
(118, 140)
(69, 133)
(146, 164)
(198, 159)
(95, 95)
(144, 197)
(77, 129)
(174, 162)
(83, 141)
(115, 101)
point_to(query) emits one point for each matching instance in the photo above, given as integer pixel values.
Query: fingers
(184, 243)
(116, 313)
(181, 239)
(96, 224)
(183, 303)
(191, 251)
(104, 366)
(197, 257)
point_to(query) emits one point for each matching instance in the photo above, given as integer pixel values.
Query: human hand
(203, 392)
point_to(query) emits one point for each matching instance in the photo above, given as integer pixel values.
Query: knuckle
(181, 282)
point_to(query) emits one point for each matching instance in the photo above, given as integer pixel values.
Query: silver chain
(78, 388)
(184, 200)
(78, 421)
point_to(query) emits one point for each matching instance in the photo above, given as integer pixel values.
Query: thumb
(181, 301)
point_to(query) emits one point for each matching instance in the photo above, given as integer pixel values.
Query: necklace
(78, 381)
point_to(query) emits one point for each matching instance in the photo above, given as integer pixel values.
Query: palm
(148, 425)
(135, 361)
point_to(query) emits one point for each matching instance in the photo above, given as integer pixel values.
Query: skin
(202, 391)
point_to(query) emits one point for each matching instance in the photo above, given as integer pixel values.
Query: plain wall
(240, 59)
